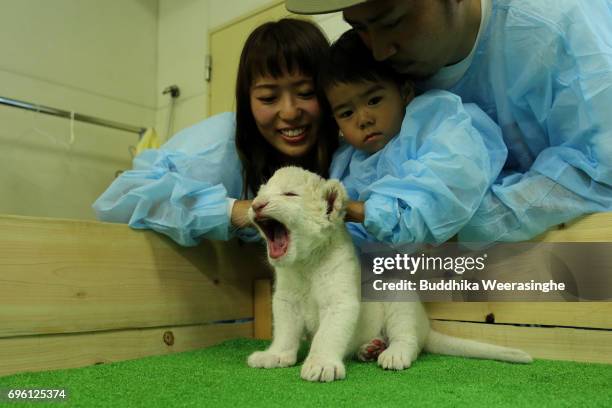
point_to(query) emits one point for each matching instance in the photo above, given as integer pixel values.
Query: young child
(416, 167)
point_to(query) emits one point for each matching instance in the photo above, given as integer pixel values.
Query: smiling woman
(286, 112)
(200, 183)
(278, 102)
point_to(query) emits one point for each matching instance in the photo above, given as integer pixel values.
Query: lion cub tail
(439, 343)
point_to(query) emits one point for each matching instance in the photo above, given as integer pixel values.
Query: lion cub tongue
(277, 246)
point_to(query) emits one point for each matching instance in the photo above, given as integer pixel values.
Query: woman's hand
(355, 212)
(239, 213)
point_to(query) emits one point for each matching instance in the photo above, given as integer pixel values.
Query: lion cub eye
(290, 194)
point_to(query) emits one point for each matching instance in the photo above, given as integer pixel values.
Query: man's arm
(563, 90)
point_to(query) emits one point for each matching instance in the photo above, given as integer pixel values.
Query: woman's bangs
(276, 59)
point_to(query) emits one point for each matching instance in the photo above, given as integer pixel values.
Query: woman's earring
(340, 134)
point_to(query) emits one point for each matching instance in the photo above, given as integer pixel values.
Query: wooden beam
(568, 314)
(66, 276)
(263, 309)
(541, 342)
(590, 228)
(51, 352)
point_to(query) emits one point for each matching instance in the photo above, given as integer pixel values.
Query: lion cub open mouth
(318, 283)
(277, 236)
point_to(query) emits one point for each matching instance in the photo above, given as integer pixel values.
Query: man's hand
(355, 212)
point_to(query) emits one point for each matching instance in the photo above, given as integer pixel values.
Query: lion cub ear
(335, 196)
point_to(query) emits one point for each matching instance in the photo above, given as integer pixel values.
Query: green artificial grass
(219, 377)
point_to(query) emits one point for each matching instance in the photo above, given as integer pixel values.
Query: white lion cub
(317, 288)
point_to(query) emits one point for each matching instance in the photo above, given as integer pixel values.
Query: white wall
(182, 49)
(223, 11)
(332, 25)
(220, 13)
(93, 57)
(109, 59)
(183, 45)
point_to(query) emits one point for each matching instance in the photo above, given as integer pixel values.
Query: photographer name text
(465, 285)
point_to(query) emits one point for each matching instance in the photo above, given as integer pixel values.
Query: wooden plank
(589, 315)
(52, 352)
(541, 342)
(569, 314)
(590, 228)
(59, 276)
(263, 309)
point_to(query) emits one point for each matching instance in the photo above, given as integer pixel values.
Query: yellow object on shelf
(149, 140)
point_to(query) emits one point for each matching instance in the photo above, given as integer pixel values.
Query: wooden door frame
(261, 9)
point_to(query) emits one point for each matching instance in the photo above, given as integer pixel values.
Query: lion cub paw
(321, 369)
(269, 359)
(397, 358)
(371, 350)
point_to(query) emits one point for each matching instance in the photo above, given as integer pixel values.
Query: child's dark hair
(350, 61)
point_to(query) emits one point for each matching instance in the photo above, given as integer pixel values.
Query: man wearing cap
(542, 69)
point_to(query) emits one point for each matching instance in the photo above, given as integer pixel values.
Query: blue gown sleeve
(434, 173)
(565, 82)
(181, 189)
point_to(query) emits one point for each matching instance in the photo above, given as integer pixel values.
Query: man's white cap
(319, 6)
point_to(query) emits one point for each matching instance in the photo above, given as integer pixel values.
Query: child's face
(369, 114)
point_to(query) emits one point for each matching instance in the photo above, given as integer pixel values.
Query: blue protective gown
(428, 181)
(182, 189)
(542, 70)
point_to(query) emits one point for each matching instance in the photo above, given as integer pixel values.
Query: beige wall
(182, 45)
(109, 59)
(332, 24)
(93, 57)
(220, 13)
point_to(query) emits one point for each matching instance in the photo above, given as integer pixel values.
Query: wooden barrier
(75, 293)
(578, 331)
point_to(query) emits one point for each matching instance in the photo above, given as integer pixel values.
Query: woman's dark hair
(275, 49)
(350, 61)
